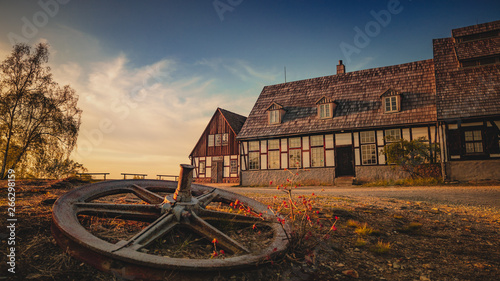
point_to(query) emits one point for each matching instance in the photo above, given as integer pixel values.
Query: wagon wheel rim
(165, 213)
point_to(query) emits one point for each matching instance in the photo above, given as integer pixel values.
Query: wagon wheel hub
(185, 207)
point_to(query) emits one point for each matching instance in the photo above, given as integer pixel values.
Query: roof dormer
(326, 107)
(391, 101)
(275, 113)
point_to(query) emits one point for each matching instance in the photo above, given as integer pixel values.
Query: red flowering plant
(308, 226)
(305, 225)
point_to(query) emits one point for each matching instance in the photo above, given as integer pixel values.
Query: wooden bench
(129, 174)
(91, 174)
(167, 176)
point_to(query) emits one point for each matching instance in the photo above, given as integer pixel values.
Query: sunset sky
(150, 74)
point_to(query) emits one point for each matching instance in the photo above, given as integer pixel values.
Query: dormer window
(391, 101)
(274, 117)
(275, 113)
(324, 111)
(326, 108)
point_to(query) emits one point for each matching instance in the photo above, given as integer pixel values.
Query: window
(273, 144)
(211, 140)
(317, 140)
(234, 166)
(275, 113)
(326, 107)
(294, 158)
(368, 148)
(253, 145)
(324, 110)
(202, 167)
(217, 140)
(273, 159)
(391, 104)
(473, 142)
(392, 135)
(369, 154)
(367, 137)
(274, 117)
(294, 142)
(318, 157)
(253, 158)
(225, 139)
(317, 151)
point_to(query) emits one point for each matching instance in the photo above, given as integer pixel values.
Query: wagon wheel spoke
(210, 232)
(224, 216)
(207, 198)
(155, 230)
(146, 195)
(132, 211)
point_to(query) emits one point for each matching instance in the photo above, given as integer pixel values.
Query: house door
(217, 169)
(345, 161)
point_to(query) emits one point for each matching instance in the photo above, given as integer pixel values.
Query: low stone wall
(209, 180)
(373, 173)
(317, 176)
(473, 170)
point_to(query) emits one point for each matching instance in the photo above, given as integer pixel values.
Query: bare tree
(39, 120)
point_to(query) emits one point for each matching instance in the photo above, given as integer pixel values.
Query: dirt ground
(397, 233)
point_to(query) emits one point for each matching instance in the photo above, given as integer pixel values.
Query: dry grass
(364, 230)
(475, 257)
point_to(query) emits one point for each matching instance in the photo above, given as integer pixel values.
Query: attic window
(325, 108)
(391, 101)
(275, 113)
(274, 117)
(324, 111)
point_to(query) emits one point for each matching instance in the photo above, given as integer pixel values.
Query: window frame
(320, 162)
(211, 140)
(233, 166)
(202, 167)
(293, 164)
(367, 140)
(474, 141)
(273, 157)
(388, 136)
(225, 139)
(218, 139)
(369, 158)
(275, 116)
(292, 142)
(252, 164)
(393, 105)
(325, 111)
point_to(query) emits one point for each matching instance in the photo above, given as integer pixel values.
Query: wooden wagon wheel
(186, 207)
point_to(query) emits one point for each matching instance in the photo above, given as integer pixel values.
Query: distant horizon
(149, 76)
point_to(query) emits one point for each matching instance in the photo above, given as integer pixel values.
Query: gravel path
(479, 196)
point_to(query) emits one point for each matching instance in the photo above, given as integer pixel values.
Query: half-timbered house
(468, 100)
(336, 126)
(216, 154)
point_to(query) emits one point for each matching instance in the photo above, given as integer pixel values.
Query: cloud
(143, 113)
(145, 118)
(241, 69)
(362, 63)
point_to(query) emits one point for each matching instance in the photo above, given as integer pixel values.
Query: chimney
(340, 68)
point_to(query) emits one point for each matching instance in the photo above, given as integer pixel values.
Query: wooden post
(183, 191)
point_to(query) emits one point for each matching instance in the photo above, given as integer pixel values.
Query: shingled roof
(358, 98)
(468, 92)
(234, 120)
